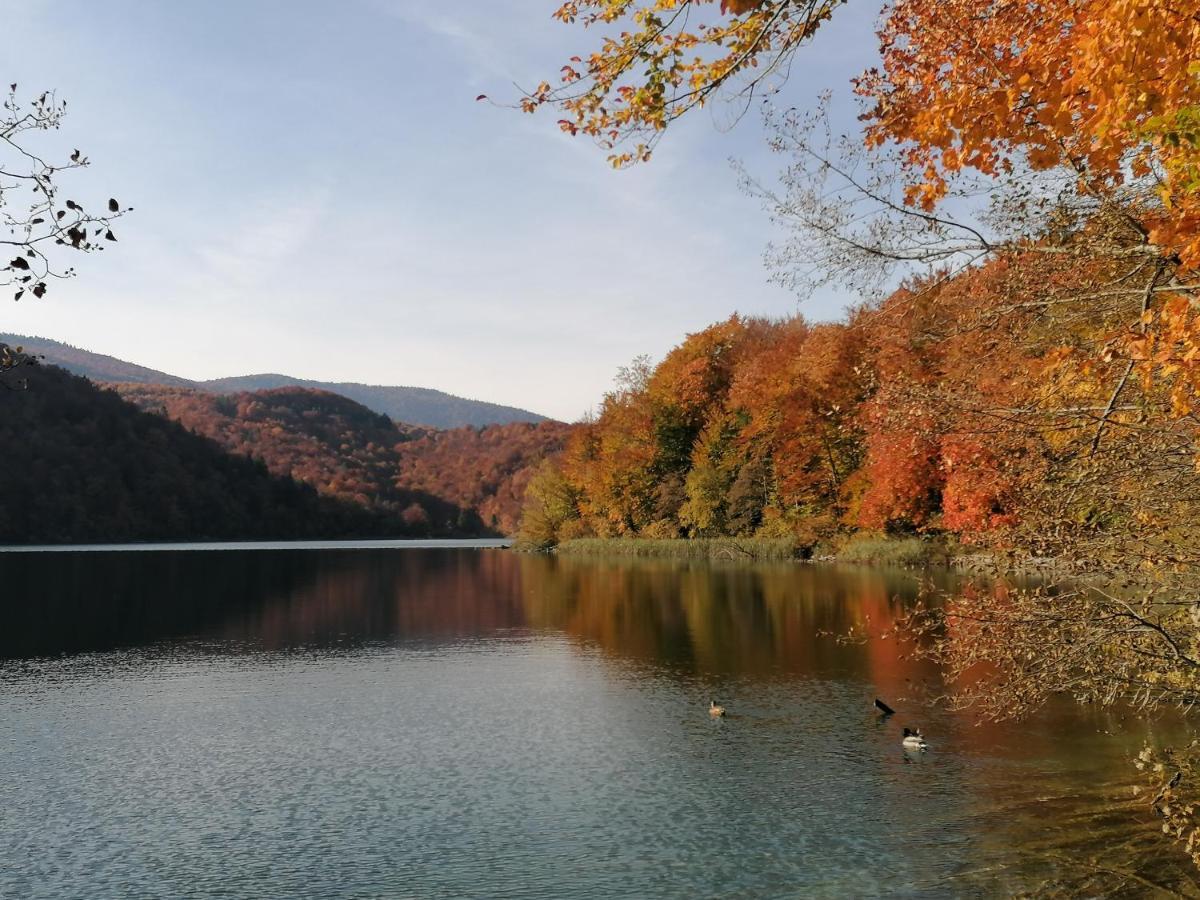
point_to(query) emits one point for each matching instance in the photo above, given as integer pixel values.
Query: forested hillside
(82, 465)
(484, 469)
(465, 480)
(960, 405)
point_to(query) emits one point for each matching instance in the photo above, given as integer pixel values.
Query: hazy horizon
(233, 376)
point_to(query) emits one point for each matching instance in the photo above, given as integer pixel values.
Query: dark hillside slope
(83, 465)
(344, 450)
(485, 469)
(466, 480)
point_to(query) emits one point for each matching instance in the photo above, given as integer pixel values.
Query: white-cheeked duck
(913, 740)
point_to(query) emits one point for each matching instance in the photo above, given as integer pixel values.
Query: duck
(714, 710)
(913, 740)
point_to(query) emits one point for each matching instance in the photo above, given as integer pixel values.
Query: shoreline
(872, 550)
(300, 545)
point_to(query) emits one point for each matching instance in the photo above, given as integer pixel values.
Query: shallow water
(451, 722)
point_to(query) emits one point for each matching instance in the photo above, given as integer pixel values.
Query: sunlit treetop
(659, 59)
(1107, 88)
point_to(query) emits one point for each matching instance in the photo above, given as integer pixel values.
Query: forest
(85, 466)
(463, 481)
(957, 405)
(413, 405)
(156, 463)
(1017, 220)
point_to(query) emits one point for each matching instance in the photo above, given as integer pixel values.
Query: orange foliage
(482, 469)
(923, 412)
(667, 58)
(904, 481)
(977, 488)
(1105, 88)
(1089, 85)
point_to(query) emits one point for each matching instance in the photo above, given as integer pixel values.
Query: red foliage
(464, 480)
(895, 420)
(483, 469)
(904, 480)
(977, 494)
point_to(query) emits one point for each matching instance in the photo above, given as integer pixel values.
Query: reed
(911, 552)
(680, 548)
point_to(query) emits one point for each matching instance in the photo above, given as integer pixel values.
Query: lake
(466, 722)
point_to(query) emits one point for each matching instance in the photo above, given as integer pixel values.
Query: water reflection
(750, 620)
(561, 701)
(724, 619)
(70, 603)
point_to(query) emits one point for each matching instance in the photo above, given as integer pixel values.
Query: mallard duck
(913, 740)
(714, 710)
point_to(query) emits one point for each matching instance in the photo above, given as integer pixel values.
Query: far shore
(211, 546)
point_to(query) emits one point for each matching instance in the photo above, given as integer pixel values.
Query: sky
(317, 192)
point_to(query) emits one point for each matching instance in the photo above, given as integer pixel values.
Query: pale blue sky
(317, 192)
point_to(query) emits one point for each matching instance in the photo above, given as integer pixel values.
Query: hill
(464, 480)
(83, 465)
(96, 366)
(415, 405)
(483, 469)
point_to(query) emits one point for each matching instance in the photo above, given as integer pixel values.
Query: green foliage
(551, 503)
(748, 496)
(714, 470)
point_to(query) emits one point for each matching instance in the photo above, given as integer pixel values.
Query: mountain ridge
(419, 405)
(404, 403)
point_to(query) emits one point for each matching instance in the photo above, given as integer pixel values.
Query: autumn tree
(1106, 89)
(552, 504)
(612, 459)
(660, 59)
(714, 471)
(36, 226)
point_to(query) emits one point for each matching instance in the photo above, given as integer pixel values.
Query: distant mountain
(412, 405)
(83, 465)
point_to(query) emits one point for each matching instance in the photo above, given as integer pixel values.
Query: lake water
(478, 723)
